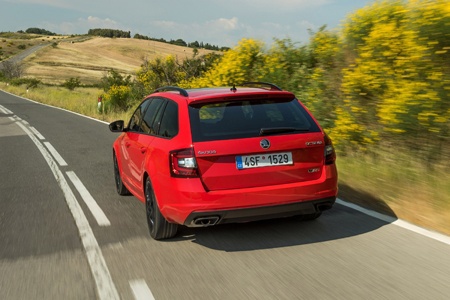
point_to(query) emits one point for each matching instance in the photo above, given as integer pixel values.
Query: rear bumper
(199, 219)
(183, 200)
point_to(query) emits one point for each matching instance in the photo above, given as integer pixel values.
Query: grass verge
(81, 100)
(398, 184)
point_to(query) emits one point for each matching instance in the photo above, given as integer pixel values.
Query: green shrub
(118, 97)
(29, 82)
(72, 83)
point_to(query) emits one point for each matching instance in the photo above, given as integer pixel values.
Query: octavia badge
(265, 144)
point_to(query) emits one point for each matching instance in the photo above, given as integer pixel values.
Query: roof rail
(261, 85)
(182, 91)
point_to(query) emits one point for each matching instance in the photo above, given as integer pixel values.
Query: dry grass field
(90, 59)
(14, 43)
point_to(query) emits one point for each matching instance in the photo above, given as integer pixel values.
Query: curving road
(22, 55)
(66, 234)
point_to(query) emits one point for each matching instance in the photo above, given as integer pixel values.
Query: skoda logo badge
(265, 144)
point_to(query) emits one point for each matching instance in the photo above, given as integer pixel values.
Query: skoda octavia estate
(201, 157)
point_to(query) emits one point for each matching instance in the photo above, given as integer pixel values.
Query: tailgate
(244, 163)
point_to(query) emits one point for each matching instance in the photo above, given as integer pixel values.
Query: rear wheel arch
(149, 169)
(146, 176)
(159, 227)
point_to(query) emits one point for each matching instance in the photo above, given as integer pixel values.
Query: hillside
(90, 59)
(13, 43)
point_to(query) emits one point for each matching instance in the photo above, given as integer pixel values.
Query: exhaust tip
(324, 206)
(205, 221)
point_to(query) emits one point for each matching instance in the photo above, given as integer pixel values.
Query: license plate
(263, 160)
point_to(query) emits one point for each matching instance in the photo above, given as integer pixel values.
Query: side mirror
(117, 126)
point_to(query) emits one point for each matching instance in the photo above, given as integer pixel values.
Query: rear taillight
(330, 154)
(183, 163)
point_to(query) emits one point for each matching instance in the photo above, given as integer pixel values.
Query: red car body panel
(220, 186)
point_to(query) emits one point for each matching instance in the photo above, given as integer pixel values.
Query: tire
(120, 187)
(311, 217)
(158, 226)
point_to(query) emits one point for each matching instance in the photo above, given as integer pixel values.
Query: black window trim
(149, 99)
(163, 104)
(158, 116)
(161, 116)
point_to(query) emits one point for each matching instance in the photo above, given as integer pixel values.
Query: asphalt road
(22, 55)
(66, 234)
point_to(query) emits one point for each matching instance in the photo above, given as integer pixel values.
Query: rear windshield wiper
(275, 130)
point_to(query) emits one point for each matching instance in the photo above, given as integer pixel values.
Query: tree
(242, 63)
(179, 42)
(160, 72)
(120, 92)
(12, 69)
(39, 31)
(396, 81)
(172, 71)
(110, 33)
(114, 78)
(72, 83)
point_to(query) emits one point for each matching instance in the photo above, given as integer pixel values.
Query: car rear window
(242, 119)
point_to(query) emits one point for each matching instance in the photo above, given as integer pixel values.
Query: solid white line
(105, 286)
(37, 133)
(5, 110)
(96, 211)
(141, 290)
(400, 223)
(385, 218)
(55, 154)
(431, 234)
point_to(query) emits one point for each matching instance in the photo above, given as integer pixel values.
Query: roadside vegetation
(380, 87)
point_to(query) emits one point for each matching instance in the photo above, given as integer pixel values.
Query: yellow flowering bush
(237, 65)
(398, 79)
(117, 96)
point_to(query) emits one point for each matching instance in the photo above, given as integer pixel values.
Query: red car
(201, 157)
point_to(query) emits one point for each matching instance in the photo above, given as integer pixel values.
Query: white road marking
(141, 290)
(55, 154)
(96, 211)
(5, 110)
(106, 289)
(37, 133)
(400, 223)
(25, 122)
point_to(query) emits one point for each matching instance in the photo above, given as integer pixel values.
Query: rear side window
(169, 121)
(242, 119)
(148, 122)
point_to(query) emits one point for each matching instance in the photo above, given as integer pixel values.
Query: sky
(218, 22)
